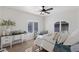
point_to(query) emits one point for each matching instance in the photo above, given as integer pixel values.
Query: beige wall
(21, 18)
(69, 16)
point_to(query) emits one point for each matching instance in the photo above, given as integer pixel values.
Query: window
(64, 26)
(30, 27)
(57, 27)
(33, 27)
(61, 26)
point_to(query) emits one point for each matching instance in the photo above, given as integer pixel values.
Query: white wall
(21, 18)
(70, 16)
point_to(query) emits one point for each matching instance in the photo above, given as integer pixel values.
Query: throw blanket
(62, 48)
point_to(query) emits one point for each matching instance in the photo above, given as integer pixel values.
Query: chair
(47, 41)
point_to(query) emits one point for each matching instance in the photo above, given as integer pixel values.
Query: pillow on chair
(43, 32)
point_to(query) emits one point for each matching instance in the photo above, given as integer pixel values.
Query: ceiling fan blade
(49, 9)
(47, 12)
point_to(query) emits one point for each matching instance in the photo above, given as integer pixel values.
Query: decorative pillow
(43, 32)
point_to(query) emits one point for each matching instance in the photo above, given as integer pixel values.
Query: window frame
(33, 27)
(61, 26)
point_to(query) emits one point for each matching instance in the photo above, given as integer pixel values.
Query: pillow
(43, 32)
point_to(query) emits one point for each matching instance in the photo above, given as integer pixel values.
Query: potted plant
(6, 24)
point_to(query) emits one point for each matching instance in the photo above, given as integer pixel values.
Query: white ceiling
(36, 9)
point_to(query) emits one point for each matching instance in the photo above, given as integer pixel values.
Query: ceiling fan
(45, 10)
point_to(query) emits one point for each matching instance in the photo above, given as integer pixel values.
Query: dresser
(6, 40)
(9, 40)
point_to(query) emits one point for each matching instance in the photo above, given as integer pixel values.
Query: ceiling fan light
(42, 13)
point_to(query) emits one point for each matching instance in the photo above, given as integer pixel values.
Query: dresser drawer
(5, 40)
(17, 37)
